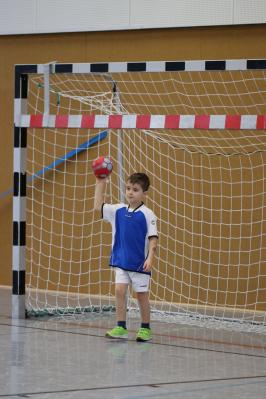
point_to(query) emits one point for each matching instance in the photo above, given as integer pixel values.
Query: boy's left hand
(147, 265)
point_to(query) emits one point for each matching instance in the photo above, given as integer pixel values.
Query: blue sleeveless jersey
(131, 230)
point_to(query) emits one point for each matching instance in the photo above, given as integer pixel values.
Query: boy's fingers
(146, 267)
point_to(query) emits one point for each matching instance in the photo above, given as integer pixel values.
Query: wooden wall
(164, 44)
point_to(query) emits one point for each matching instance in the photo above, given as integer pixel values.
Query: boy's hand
(101, 180)
(147, 265)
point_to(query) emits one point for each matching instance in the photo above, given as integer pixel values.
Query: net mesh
(207, 191)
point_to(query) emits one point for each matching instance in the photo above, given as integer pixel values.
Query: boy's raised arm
(100, 187)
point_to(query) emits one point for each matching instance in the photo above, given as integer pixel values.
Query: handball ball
(102, 167)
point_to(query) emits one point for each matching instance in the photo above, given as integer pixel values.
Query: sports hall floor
(69, 358)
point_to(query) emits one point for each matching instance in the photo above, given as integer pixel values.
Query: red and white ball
(102, 167)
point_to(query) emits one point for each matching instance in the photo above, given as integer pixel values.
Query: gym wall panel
(151, 13)
(82, 15)
(48, 16)
(249, 12)
(17, 17)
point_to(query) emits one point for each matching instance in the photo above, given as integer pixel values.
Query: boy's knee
(142, 296)
(120, 289)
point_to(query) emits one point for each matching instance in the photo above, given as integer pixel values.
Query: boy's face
(134, 194)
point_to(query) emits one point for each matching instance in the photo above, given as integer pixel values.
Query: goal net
(207, 190)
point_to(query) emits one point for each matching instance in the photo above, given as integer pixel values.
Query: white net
(208, 192)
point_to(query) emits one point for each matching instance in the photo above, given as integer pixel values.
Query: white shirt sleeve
(109, 211)
(151, 224)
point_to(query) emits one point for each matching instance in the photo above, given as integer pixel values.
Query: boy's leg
(144, 306)
(121, 305)
(144, 334)
(121, 286)
(140, 283)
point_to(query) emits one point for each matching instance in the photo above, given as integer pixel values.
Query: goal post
(197, 128)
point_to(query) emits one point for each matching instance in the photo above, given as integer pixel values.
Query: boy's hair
(140, 178)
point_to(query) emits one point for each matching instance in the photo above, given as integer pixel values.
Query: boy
(134, 241)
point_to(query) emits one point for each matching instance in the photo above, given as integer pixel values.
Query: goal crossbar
(116, 121)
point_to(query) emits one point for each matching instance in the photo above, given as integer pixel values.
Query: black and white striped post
(19, 192)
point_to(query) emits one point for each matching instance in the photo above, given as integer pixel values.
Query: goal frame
(22, 121)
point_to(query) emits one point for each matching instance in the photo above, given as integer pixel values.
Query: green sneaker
(117, 332)
(144, 334)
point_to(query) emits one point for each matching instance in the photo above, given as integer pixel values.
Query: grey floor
(70, 358)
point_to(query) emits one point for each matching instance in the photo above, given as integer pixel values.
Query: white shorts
(139, 281)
